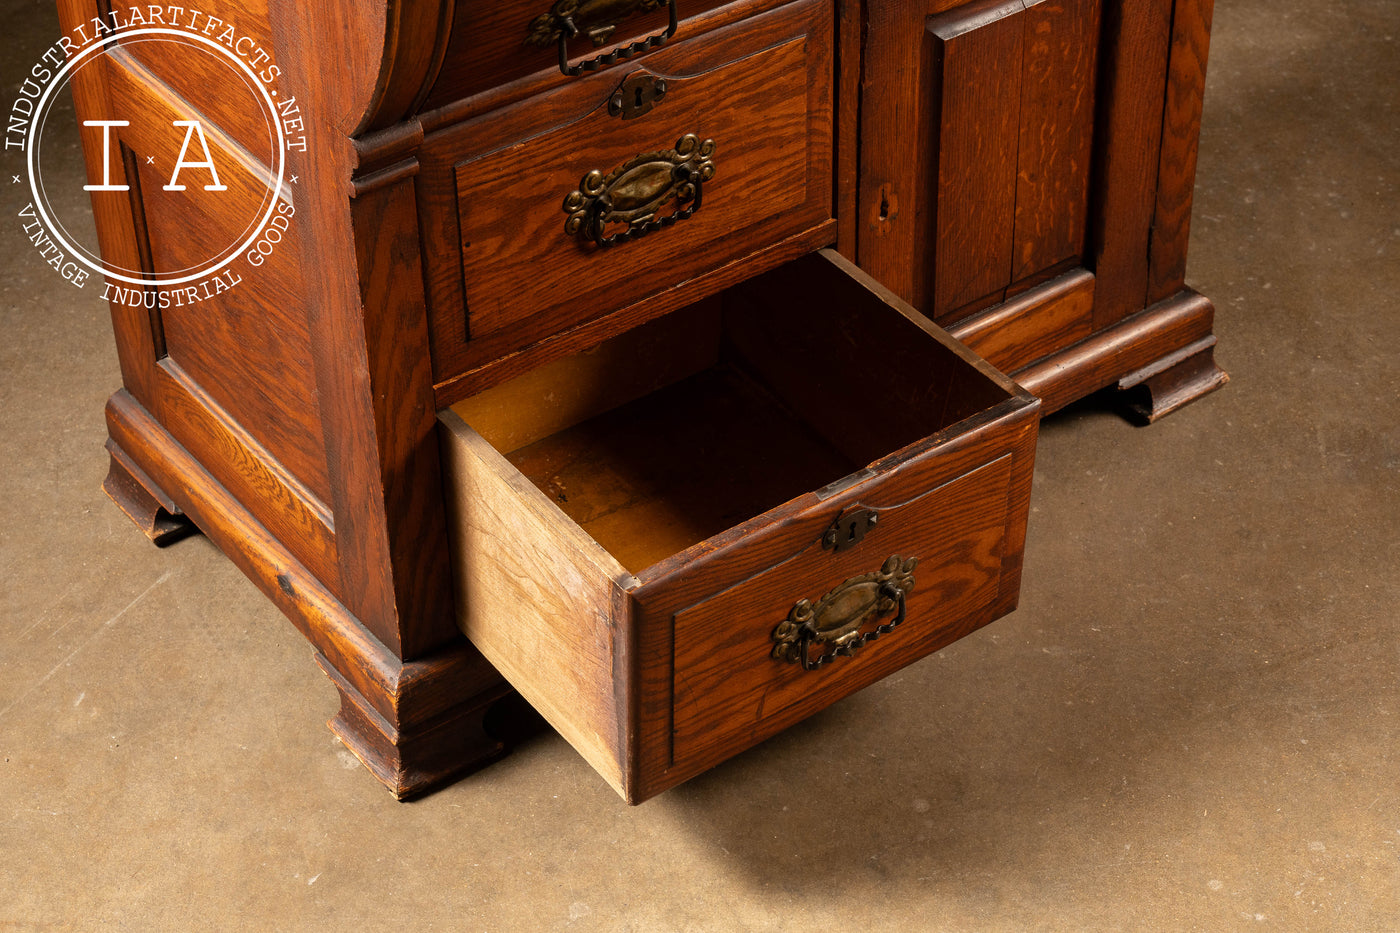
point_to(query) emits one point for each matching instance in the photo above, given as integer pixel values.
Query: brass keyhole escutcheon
(637, 95)
(849, 529)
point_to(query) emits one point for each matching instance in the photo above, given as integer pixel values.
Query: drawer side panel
(537, 596)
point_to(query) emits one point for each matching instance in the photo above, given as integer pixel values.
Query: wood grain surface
(1034, 324)
(730, 691)
(1176, 171)
(693, 493)
(1020, 167)
(502, 272)
(1054, 153)
(537, 598)
(976, 98)
(1127, 140)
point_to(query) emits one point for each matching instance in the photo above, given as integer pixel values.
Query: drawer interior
(694, 423)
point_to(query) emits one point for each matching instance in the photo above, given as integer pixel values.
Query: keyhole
(639, 97)
(884, 207)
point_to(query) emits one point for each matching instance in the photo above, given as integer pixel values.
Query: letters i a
(192, 128)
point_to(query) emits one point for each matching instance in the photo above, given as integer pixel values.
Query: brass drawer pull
(633, 192)
(837, 617)
(598, 20)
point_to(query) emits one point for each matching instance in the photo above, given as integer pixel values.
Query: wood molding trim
(409, 701)
(1131, 344)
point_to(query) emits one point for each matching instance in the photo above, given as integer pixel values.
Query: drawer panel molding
(504, 273)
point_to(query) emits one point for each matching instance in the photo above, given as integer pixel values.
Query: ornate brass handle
(598, 20)
(633, 192)
(837, 617)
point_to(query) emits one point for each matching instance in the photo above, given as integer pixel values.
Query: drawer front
(733, 157)
(492, 44)
(729, 688)
(718, 674)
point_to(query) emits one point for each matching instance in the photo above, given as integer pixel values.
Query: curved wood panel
(415, 43)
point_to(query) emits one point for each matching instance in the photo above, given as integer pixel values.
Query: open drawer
(698, 533)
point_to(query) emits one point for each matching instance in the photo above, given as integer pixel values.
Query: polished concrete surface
(1190, 724)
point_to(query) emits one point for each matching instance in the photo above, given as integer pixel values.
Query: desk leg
(413, 758)
(150, 509)
(1157, 390)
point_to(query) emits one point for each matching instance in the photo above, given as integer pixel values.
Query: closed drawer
(559, 212)
(649, 537)
(492, 44)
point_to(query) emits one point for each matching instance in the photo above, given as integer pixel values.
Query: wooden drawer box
(632, 526)
(734, 157)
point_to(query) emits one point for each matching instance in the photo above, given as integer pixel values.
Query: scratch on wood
(72, 654)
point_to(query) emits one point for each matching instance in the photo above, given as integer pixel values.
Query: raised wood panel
(518, 260)
(247, 348)
(794, 534)
(729, 690)
(201, 223)
(1056, 133)
(976, 90)
(246, 469)
(1011, 136)
(240, 28)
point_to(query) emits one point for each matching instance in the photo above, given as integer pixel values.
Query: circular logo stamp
(186, 132)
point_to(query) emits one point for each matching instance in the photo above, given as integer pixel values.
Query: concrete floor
(1191, 723)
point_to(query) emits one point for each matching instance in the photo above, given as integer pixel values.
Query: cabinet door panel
(1011, 97)
(976, 58)
(1057, 134)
